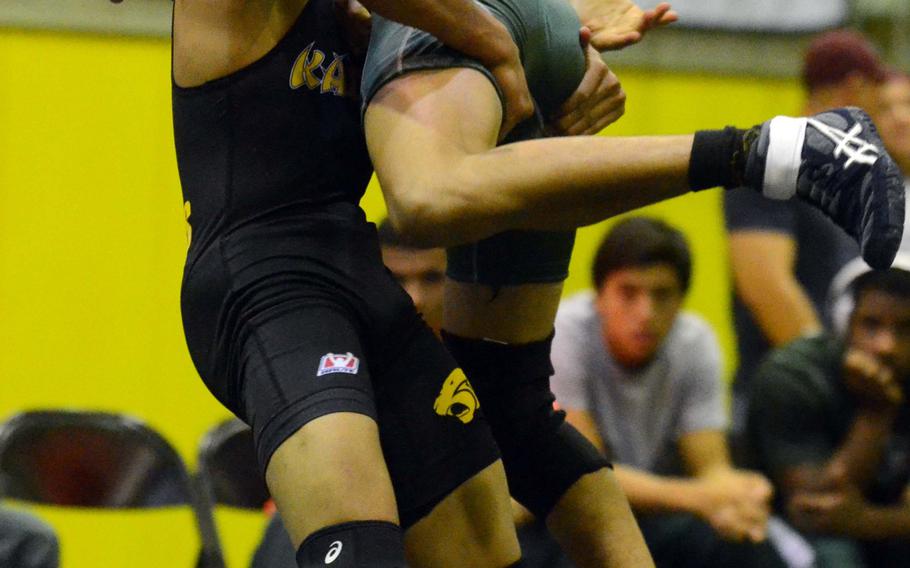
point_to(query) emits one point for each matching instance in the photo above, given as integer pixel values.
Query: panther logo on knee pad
(457, 398)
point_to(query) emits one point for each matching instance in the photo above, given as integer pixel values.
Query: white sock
(784, 156)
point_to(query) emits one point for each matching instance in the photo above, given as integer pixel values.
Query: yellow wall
(92, 234)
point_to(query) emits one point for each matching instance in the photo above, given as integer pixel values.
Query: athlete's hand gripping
(619, 23)
(505, 64)
(597, 102)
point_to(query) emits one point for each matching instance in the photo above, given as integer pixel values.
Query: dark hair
(894, 282)
(835, 55)
(641, 241)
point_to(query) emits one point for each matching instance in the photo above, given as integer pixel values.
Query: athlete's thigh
(449, 483)
(331, 471)
(300, 359)
(471, 527)
(307, 394)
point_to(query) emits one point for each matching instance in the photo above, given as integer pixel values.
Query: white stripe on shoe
(849, 143)
(785, 145)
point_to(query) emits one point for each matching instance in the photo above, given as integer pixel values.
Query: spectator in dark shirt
(830, 423)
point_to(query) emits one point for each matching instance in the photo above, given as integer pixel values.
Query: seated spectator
(830, 424)
(26, 542)
(420, 271)
(643, 381)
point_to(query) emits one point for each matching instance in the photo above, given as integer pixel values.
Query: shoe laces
(849, 143)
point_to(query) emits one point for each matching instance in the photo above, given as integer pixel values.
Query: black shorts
(546, 32)
(289, 324)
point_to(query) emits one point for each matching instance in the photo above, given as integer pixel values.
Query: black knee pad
(513, 258)
(543, 455)
(359, 544)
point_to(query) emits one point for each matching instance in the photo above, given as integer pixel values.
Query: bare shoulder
(213, 38)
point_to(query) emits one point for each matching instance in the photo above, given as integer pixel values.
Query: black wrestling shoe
(836, 162)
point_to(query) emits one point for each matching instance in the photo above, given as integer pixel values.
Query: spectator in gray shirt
(642, 381)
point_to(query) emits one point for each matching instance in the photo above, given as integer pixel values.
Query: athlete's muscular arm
(464, 26)
(445, 183)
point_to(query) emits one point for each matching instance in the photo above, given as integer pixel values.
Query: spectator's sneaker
(835, 161)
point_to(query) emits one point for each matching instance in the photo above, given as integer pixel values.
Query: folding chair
(99, 460)
(228, 478)
(228, 473)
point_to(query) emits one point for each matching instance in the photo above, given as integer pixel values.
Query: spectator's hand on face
(597, 102)
(737, 504)
(871, 381)
(619, 23)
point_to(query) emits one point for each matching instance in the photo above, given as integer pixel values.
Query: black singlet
(275, 142)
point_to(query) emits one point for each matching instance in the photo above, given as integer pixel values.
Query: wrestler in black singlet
(288, 311)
